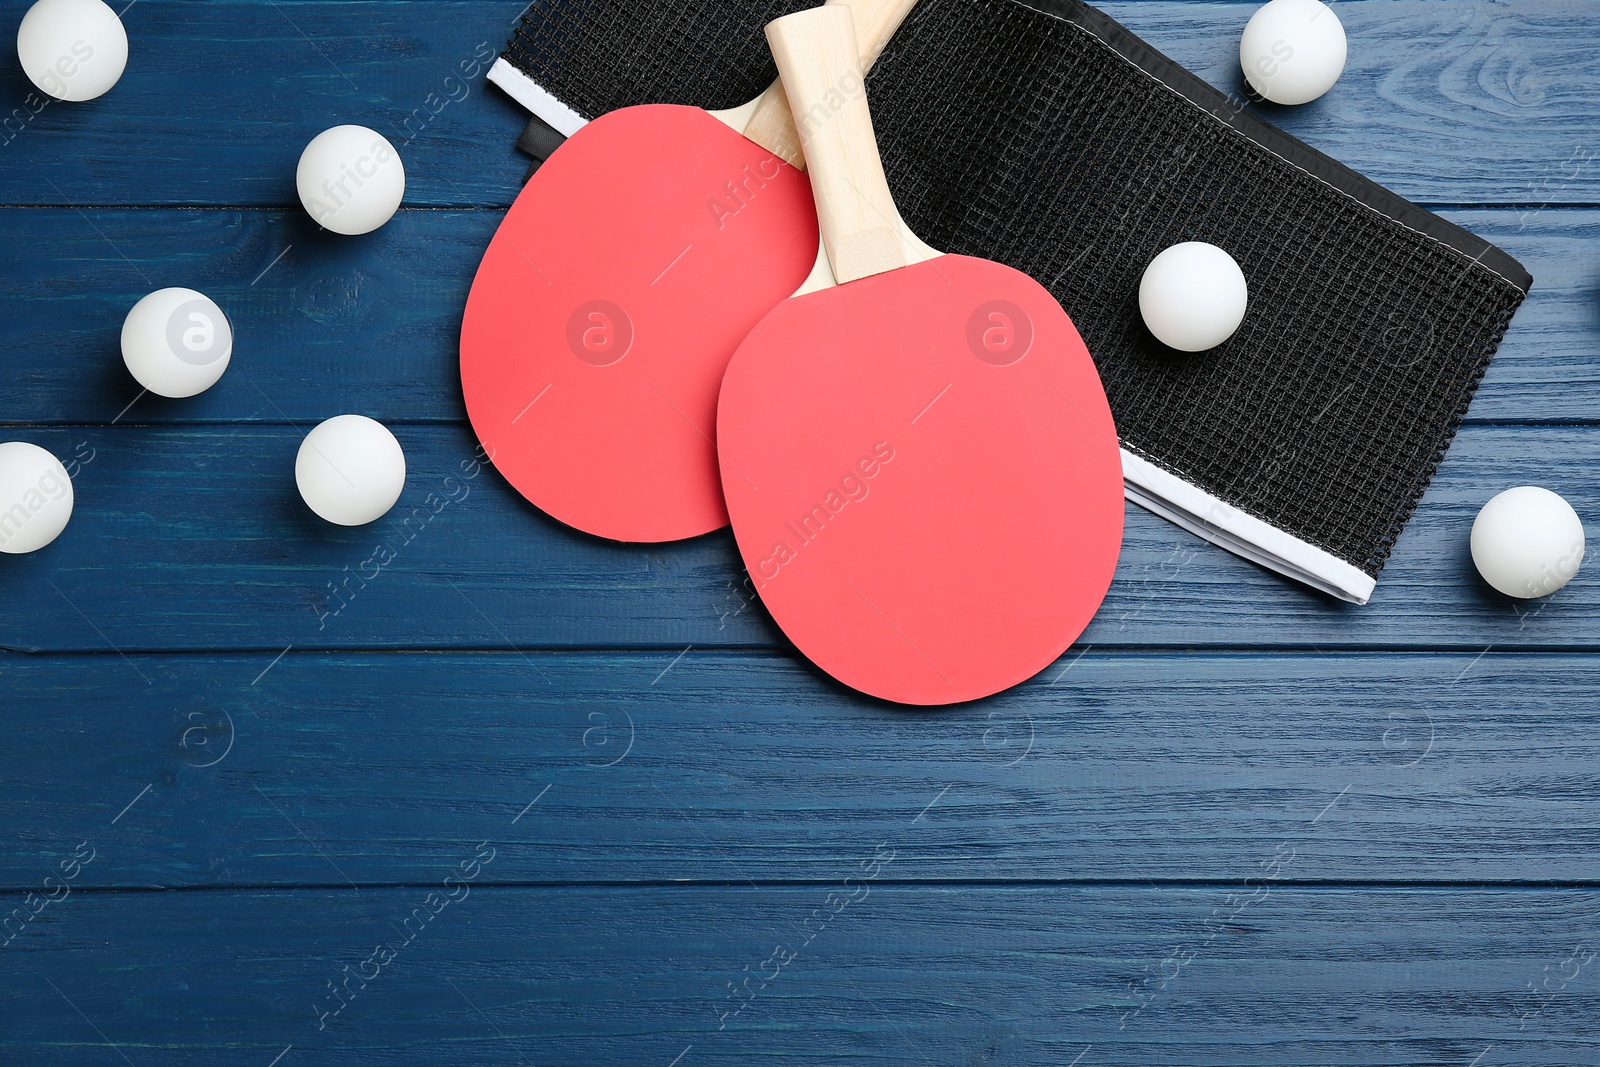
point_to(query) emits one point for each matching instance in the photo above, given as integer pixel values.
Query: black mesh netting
(598, 55)
(1056, 141)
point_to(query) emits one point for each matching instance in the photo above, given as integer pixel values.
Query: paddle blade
(607, 306)
(924, 478)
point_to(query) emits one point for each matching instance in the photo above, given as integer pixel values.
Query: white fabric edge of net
(533, 96)
(1244, 535)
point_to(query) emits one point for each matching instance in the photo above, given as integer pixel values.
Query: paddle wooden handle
(820, 65)
(771, 125)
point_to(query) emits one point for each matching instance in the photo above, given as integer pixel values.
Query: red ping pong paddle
(608, 303)
(918, 457)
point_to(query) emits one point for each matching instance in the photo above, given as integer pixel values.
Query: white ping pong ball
(1193, 296)
(350, 470)
(35, 497)
(176, 342)
(1527, 542)
(350, 179)
(72, 49)
(1293, 51)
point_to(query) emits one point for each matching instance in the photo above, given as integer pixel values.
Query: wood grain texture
(1370, 769)
(772, 124)
(1424, 80)
(1430, 84)
(373, 323)
(718, 766)
(195, 538)
(816, 53)
(376, 322)
(898, 975)
(219, 99)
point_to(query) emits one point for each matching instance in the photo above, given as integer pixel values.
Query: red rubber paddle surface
(607, 306)
(924, 478)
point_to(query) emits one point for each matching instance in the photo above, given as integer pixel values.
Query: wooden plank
(1545, 370)
(254, 82)
(195, 538)
(1429, 83)
(315, 768)
(860, 972)
(376, 322)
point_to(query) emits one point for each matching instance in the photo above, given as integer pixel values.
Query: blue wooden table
(519, 796)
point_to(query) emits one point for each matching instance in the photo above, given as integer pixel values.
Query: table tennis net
(1049, 137)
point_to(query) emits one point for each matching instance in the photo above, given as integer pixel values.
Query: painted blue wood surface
(1237, 824)
(1430, 87)
(711, 765)
(891, 974)
(374, 323)
(194, 538)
